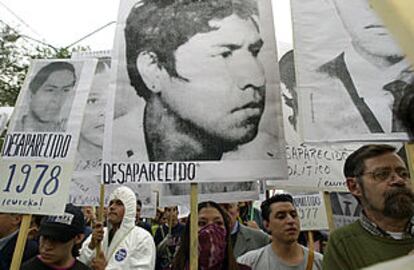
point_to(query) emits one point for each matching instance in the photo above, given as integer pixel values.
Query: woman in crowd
(215, 250)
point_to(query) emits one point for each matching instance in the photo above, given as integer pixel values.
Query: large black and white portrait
(195, 81)
(48, 101)
(352, 74)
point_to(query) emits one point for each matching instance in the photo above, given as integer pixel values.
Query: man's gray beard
(399, 203)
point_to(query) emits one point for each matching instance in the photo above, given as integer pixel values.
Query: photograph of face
(204, 84)
(50, 92)
(92, 131)
(222, 76)
(200, 75)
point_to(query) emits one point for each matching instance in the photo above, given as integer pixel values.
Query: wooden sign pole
(21, 242)
(311, 246)
(329, 213)
(409, 150)
(100, 212)
(194, 227)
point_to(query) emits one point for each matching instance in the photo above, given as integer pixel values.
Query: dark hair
(265, 206)
(43, 74)
(139, 203)
(161, 26)
(183, 254)
(355, 162)
(37, 219)
(287, 70)
(405, 110)
(288, 78)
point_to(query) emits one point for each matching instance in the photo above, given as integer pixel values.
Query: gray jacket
(249, 239)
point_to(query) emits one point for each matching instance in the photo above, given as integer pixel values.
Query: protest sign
(351, 73)
(312, 211)
(184, 120)
(311, 166)
(39, 148)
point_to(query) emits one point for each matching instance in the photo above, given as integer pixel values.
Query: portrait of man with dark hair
(360, 73)
(195, 63)
(196, 69)
(49, 97)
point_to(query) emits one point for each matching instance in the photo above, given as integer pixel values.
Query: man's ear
(353, 186)
(266, 225)
(153, 74)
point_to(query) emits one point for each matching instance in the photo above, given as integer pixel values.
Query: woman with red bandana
(215, 250)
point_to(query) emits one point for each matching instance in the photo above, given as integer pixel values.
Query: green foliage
(12, 66)
(15, 54)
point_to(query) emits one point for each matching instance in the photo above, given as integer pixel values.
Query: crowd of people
(229, 237)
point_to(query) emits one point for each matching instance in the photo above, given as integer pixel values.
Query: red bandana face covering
(212, 247)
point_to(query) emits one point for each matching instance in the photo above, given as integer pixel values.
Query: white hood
(127, 197)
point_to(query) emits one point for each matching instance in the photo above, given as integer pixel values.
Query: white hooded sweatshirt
(131, 247)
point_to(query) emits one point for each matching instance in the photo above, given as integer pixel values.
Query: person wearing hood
(124, 245)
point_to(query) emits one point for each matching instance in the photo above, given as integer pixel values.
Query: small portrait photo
(90, 145)
(48, 96)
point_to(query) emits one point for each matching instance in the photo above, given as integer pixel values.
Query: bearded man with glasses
(380, 181)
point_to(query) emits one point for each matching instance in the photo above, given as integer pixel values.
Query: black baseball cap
(64, 227)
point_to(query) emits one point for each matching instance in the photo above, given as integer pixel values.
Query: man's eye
(67, 89)
(382, 175)
(226, 54)
(91, 101)
(403, 173)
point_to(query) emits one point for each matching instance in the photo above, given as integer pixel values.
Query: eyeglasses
(384, 174)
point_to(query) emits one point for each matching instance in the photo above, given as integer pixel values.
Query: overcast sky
(60, 23)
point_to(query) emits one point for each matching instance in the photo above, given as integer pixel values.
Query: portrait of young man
(50, 97)
(361, 74)
(198, 71)
(90, 145)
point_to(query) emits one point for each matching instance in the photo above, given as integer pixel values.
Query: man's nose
(248, 72)
(290, 219)
(58, 97)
